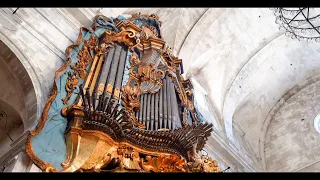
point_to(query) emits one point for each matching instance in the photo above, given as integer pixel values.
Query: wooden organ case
(134, 112)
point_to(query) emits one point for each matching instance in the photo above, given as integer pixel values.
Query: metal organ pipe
(160, 107)
(148, 111)
(119, 76)
(113, 71)
(105, 72)
(175, 112)
(136, 113)
(152, 112)
(145, 104)
(156, 111)
(168, 80)
(141, 109)
(165, 103)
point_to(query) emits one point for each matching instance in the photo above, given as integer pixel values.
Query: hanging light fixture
(302, 23)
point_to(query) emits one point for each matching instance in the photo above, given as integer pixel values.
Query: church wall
(5, 144)
(217, 150)
(291, 143)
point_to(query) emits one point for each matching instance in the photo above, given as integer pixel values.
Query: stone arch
(17, 67)
(25, 97)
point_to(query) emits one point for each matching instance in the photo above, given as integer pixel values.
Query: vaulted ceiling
(246, 65)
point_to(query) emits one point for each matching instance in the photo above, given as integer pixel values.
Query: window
(316, 123)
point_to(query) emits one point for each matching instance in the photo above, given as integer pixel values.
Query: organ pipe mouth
(163, 129)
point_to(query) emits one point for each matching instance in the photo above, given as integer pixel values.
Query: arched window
(316, 123)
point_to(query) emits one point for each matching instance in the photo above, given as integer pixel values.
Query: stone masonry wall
(291, 143)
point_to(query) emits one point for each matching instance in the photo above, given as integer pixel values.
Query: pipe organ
(127, 107)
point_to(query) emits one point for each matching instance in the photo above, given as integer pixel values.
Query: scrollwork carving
(126, 36)
(149, 73)
(210, 165)
(85, 58)
(130, 95)
(71, 84)
(130, 100)
(172, 163)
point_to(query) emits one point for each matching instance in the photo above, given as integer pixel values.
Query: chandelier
(302, 23)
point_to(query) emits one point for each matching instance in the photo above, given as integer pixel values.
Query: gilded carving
(100, 150)
(71, 84)
(129, 158)
(125, 36)
(167, 50)
(85, 57)
(149, 31)
(205, 164)
(146, 73)
(130, 100)
(172, 163)
(153, 16)
(50, 168)
(125, 151)
(103, 48)
(130, 96)
(134, 60)
(150, 73)
(182, 93)
(210, 165)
